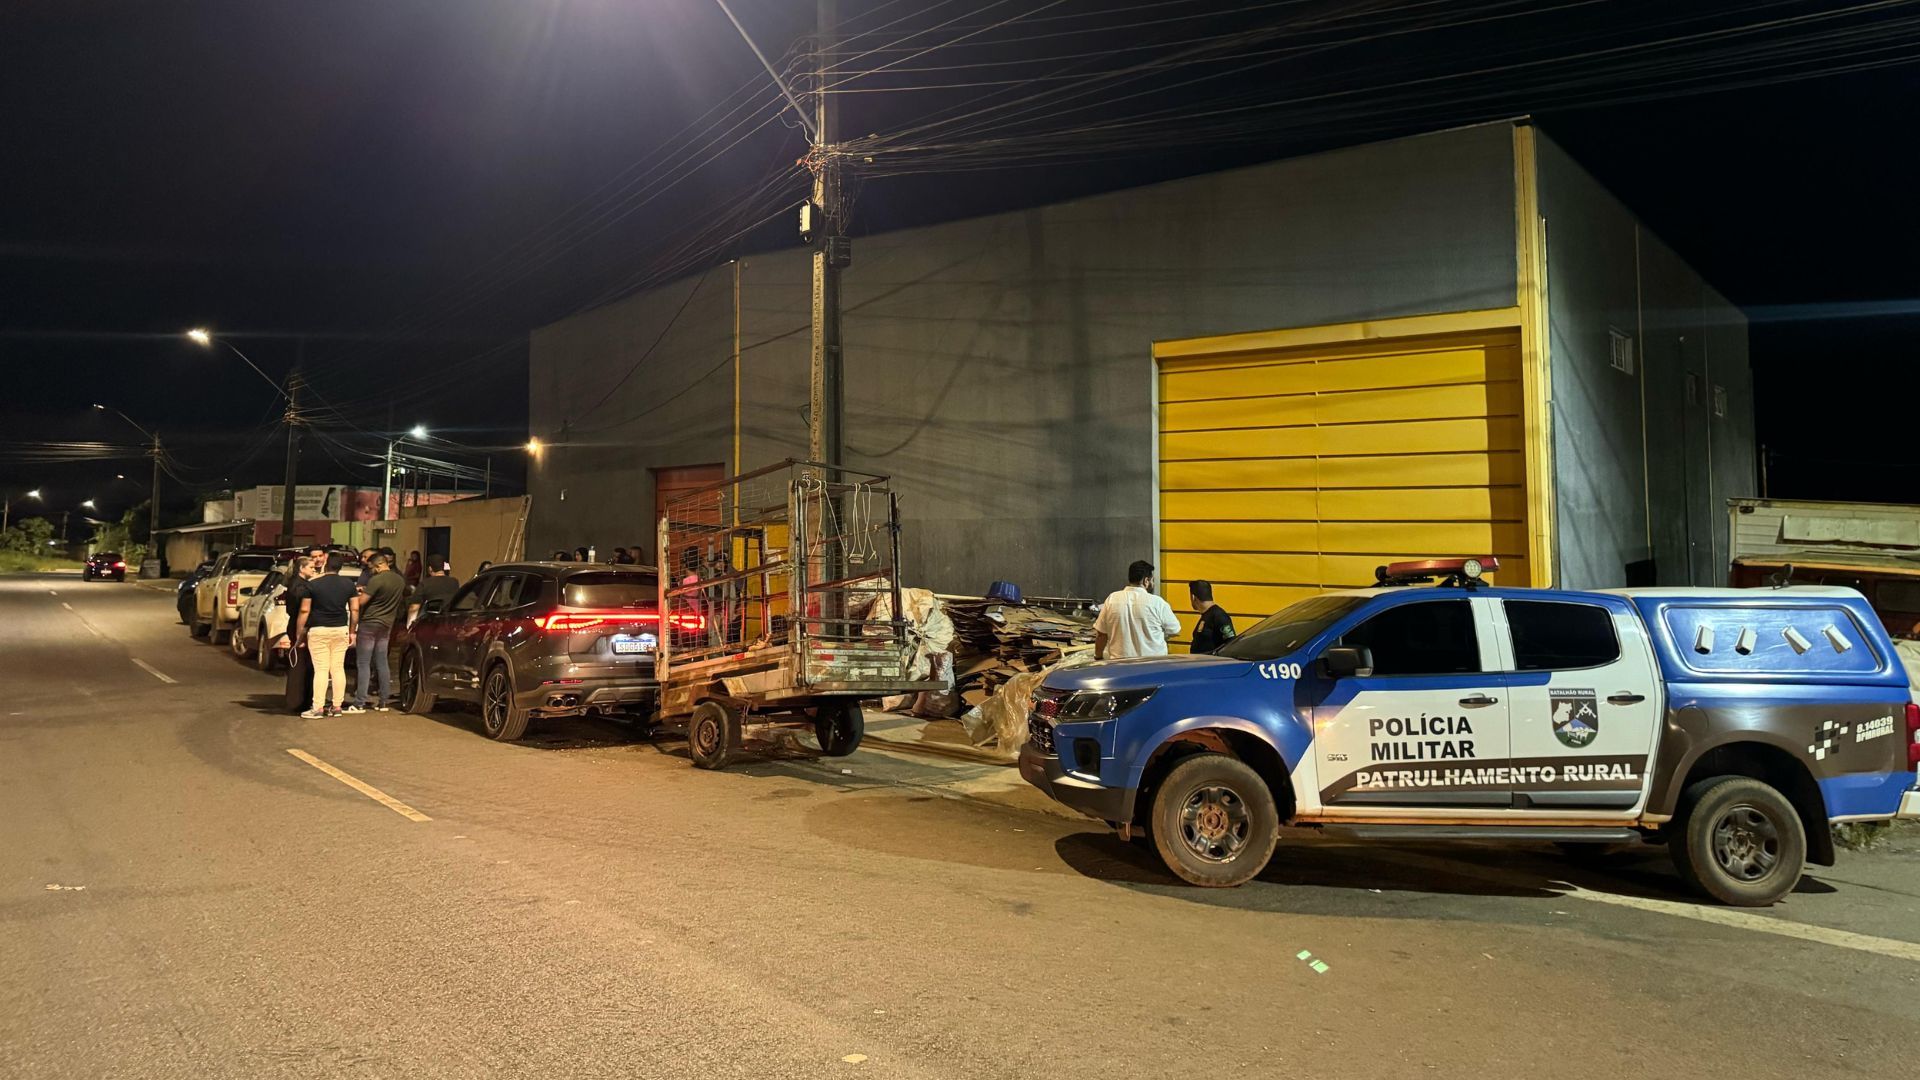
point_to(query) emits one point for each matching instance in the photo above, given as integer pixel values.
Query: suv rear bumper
(567, 690)
(1044, 771)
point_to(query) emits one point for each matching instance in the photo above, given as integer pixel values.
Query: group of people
(633, 556)
(332, 607)
(1135, 622)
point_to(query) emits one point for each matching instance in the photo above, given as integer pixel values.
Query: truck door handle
(1624, 698)
(1477, 700)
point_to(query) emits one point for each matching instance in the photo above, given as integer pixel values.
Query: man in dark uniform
(1215, 627)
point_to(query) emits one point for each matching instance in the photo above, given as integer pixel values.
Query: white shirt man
(1133, 621)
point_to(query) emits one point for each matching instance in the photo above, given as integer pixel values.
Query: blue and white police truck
(1734, 725)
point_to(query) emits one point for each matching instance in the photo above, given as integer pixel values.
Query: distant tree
(28, 535)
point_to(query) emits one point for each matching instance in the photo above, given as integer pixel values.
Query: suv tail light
(233, 593)
(1913, 735)
(561, 622)
(119, 566)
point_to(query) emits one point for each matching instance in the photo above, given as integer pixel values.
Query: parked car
(183, 593)
(531, 640)
(1733, 725)
(217, 596)
(260, 633)
(104, 564)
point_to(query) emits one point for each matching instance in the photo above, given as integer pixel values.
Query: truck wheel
(713, 735)
(839, 726)
(1214, 821)
(198, 629)
(263, 652)
(1739, 841)
(414, 695)
(501, 716)
(218, 634)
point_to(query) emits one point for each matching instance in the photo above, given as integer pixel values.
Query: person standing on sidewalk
(299, 664)
(381, 600)
(1133, 621)
(1215, 627)
(328, 618)
(440, 584)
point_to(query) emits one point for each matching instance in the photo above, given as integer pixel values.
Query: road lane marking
(66, 605)
(1742, 919)
(1735, 918)
(362, 787)
(151, 670)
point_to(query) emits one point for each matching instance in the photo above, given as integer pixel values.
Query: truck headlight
(1100, 704)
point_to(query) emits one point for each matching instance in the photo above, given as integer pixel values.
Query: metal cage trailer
(780, 593)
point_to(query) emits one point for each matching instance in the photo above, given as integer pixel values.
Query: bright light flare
(533, 446)
(419, 431)
(200, 336)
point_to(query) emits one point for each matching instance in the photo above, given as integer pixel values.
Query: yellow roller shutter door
(1287, 473)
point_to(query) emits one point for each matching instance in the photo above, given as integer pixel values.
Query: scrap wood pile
(995, 641)
(1000, 652)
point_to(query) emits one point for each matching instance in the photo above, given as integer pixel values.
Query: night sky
(395, 192)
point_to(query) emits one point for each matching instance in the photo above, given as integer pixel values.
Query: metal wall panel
(1001, 368)
(1371, 423)
(1642, 470)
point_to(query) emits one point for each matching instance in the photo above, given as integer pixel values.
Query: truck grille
(1046, 706)
(1040, 733)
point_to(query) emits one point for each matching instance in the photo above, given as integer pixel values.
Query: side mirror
(1347, 662)
(432, 607)
(246, 592)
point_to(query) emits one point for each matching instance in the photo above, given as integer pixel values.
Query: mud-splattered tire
(1214, 821)
(1739, 841)
(713, 735)
(839, 726)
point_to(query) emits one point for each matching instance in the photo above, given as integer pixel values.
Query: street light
(6, 506)
(88, 504)
(419, 431)
(206, 339)
(533, 446)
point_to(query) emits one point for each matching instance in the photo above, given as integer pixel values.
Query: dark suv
(527, 640)
(105, 564)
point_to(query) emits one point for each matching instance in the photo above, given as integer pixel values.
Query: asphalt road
(180, 896)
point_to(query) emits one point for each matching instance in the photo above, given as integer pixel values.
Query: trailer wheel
(713, 735)
(1739, 841)
(839, 726)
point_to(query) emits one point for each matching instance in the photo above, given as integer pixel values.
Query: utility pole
(832, 253)
(153, 505)
(293, 456)
(387, 512)
(64, 515)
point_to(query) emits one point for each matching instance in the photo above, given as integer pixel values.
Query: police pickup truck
(1735, 725)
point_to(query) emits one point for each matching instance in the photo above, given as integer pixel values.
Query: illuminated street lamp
(6, 506)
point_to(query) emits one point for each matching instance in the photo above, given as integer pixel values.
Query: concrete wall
(1638, 483)
(1000, 368)
(478, 530)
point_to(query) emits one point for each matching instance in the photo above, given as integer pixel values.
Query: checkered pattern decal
(1826, 738)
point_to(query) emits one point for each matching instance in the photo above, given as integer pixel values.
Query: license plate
(624, 645)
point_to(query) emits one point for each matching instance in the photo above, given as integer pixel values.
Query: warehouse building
(1276, 377)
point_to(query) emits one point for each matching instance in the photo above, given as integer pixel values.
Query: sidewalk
(934, 756)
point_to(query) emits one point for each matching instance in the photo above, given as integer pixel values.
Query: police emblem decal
(1576, 717)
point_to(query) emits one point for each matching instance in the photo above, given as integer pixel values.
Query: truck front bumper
(1044, 771)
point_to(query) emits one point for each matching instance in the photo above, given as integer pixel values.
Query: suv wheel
(1214, 821)
(502, 717)
(839, 726)
(1739, 841)
(263, 652)
(713, 735)
(238, 644)
(414, 695)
